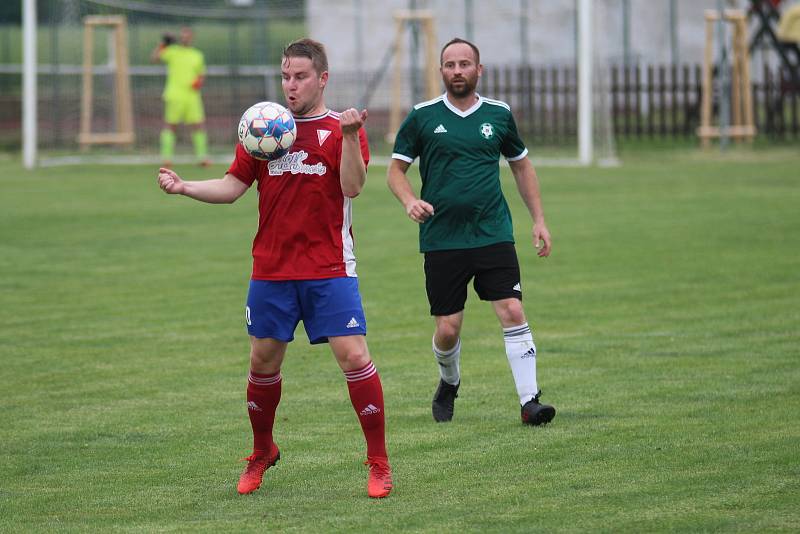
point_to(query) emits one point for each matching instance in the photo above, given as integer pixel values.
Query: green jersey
(459, 153)
(184, 65)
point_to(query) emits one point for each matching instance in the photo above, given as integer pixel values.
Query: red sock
(366, 394)
(263, 396)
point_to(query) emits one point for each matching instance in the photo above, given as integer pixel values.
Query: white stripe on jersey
(348, 256)
(429, 102)
(402, 157)
(317, 117)
(497, 103)
(517, 158)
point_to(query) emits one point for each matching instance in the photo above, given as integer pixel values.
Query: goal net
(529, 49)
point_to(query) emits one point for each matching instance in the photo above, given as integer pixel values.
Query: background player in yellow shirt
(183, 104)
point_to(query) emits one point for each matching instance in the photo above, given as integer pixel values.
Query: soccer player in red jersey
(303, 261)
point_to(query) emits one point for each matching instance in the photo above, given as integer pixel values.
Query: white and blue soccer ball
(267, 130)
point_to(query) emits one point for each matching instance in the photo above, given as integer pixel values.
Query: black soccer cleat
(534, 413)
(443, 400)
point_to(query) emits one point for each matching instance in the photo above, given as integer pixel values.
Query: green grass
(666, 321)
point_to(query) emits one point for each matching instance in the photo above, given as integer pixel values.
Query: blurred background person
(183, 103)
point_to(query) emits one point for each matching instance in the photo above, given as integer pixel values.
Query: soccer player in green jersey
(183, 104)
(465, 227)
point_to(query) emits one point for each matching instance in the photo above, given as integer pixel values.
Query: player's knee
(264, 361)
(511, 312)
(354, 358)
(446, 335)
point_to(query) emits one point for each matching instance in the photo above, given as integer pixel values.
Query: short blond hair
(313, 50)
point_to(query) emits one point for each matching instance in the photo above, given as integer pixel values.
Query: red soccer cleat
(254, 472)
(380, 477)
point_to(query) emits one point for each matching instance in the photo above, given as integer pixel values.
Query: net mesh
(533, 70)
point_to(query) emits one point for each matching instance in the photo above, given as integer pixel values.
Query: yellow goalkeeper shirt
(184, 65)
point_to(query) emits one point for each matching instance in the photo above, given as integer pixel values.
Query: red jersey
(304, 219)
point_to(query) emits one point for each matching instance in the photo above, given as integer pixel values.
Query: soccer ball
(267, 130)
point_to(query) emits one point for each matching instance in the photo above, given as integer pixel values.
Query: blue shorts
(328, 307)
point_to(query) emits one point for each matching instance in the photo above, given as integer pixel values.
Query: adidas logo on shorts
(353, 323)
(517, 287)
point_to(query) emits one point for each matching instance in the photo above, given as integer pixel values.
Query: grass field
(667, 323)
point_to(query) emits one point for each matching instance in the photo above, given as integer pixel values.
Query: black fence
(652, 101)
(634, 102)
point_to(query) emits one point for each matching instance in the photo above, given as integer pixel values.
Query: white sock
(449, 363)
(521, 354)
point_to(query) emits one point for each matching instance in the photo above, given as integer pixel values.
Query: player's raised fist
(351, 120)
(169, 181)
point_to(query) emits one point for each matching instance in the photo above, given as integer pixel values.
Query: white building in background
(359, 32)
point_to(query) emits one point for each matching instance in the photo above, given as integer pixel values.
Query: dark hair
(167, 39)
(313, 50)
(457, 40)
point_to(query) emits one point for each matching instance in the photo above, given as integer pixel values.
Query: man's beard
(467, 87)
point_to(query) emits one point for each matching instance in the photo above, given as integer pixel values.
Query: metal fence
(651, 101)
(645, 101)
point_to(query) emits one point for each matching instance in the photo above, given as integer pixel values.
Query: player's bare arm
(155, 55)
(352, 172)
(166, 40)
(223, 190)
(528, 186)
(417, 209)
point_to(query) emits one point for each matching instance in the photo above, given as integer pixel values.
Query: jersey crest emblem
(322, 135)
(487, 131)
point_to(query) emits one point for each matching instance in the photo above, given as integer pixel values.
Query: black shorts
(495, 269)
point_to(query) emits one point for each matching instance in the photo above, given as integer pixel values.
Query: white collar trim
(314, 117)
(460, 113)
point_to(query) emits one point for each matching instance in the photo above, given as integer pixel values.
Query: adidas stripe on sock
(521, 353)
(263, 397)
(366, 396)
(449, 363)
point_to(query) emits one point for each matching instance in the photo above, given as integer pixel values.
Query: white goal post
(561, 92)
(29, 94)
(585, 144)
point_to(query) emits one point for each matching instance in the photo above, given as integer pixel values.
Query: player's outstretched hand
(170, 182)
(418, 210)
(541, 240)
(351, 120)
